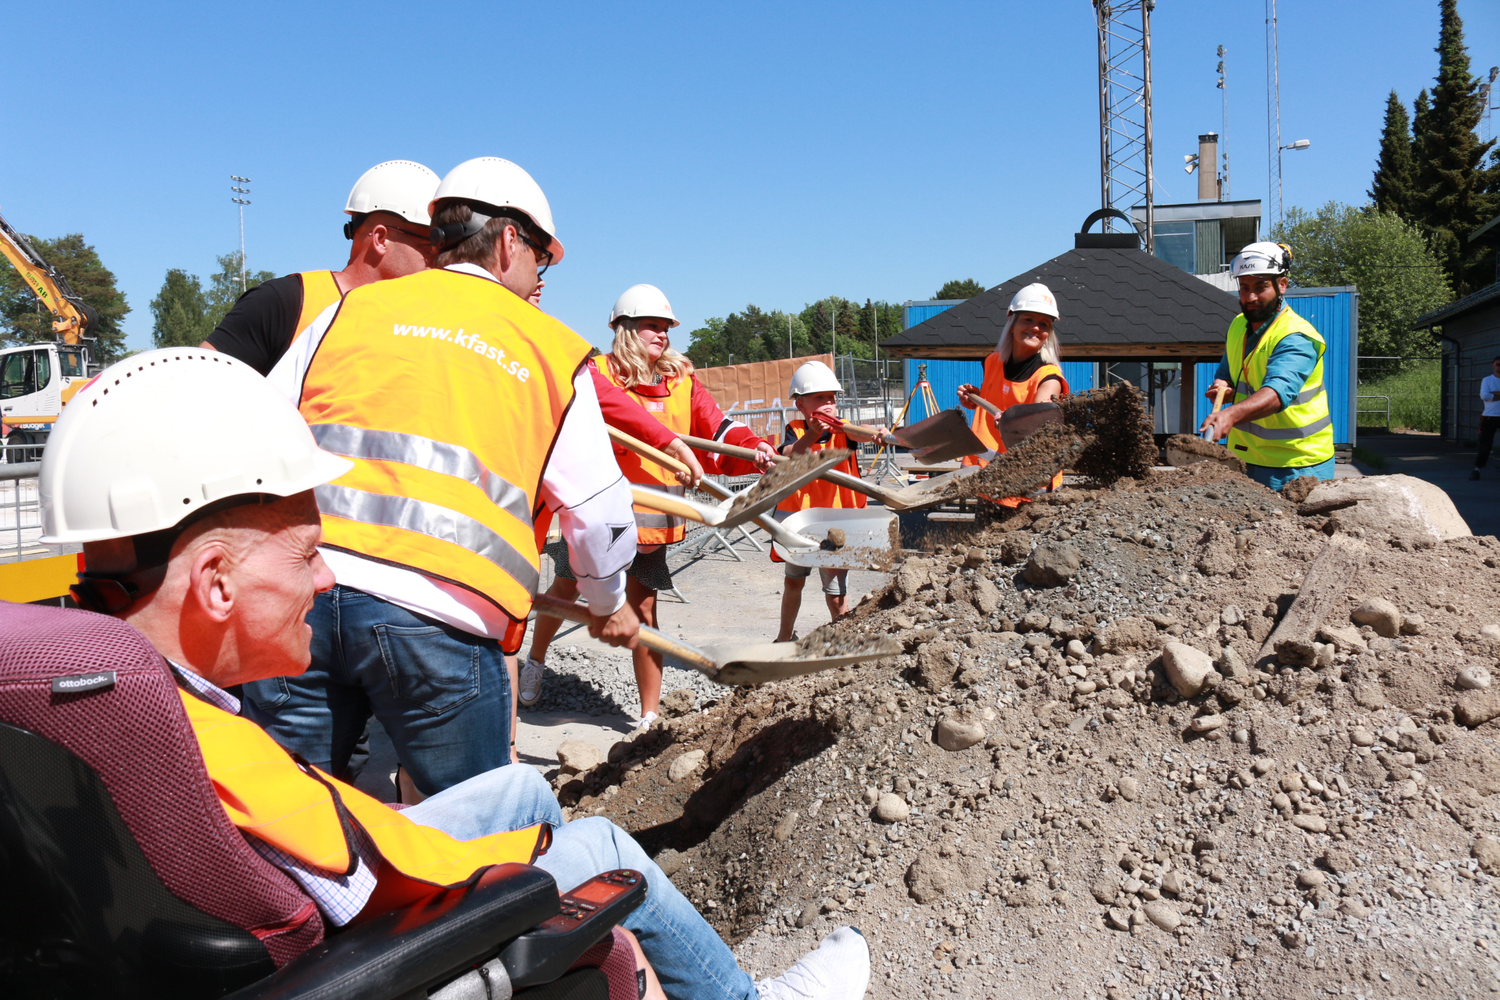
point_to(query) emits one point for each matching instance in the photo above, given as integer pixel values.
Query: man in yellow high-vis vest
(388, 230)
(1278, 421)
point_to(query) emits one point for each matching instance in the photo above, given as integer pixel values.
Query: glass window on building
(1176, 244)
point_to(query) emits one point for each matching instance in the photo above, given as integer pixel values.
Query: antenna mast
(1273, 119)
(1125, 109)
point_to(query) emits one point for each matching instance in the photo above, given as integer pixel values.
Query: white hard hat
(1035, 298)
(814, 376)
(641, 301)
(160, 435)
(1273, 259)
(397, 186)
(497, 182)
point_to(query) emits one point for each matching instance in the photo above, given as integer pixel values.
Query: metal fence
(1400, 392)
(20, 506)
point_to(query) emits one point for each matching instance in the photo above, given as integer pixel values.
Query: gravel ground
(577, 680)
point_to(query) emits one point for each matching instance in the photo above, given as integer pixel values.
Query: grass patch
(1373, 459)
(1416, 393)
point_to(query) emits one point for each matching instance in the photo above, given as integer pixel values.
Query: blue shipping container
(1334, 312)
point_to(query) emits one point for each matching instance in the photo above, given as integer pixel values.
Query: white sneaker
(646, 721)
(531, 682)
(838, 969)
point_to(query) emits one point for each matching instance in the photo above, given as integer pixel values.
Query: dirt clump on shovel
(784, 470)
(1028, 466)
(1195, 449)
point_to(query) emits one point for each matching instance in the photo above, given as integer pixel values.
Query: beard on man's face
(1264, 313)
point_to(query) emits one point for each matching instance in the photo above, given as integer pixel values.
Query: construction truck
(37, 380)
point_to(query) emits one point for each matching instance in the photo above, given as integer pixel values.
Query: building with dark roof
(1470, 331)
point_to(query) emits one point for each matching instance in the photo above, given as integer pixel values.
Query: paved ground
(1429, 457)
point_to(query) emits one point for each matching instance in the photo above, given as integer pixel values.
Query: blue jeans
(690, 958)
(1274, 477)
(442, 694)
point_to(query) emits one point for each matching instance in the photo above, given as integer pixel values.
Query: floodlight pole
(241, 202)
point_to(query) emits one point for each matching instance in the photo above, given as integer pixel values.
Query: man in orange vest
(204, 536)
(388, 226)
(471, 421)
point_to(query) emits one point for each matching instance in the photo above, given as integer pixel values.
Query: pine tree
(1392, 188)
(180, 311)
(1421, 155)
(1455, 185)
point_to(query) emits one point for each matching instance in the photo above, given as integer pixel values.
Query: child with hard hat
(814, 391)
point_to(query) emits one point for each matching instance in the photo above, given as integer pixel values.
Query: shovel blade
(759, 662)
(1019, 422)
(785, 486)
(941, 437)
(871, 538)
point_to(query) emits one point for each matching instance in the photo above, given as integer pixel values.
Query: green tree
(224, 286)
(180, 311)
(1394, 170)
(23, 320)
(966, 289)
(755, 334)
(1455, 190)
(1398, 276)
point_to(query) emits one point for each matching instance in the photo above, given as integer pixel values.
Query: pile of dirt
(1026, 468)
(782, 473)
(1078, 777)
(1187, 449)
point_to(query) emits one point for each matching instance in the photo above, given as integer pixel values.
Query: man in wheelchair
(190, 483)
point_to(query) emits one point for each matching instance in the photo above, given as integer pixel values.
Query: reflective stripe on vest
(447, 391)
(675, 411)
(303, 812)
(1301, 433)
(819, 492)
(319, 291)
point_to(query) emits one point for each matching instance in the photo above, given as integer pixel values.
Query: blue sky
(771, 152)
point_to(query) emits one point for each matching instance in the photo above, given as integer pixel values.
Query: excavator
(37, 380)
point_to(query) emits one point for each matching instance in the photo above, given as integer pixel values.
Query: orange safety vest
(820, 492)
(1004, 394)
(304, 812)
(319, 291)
(447, 390)
(675, 411)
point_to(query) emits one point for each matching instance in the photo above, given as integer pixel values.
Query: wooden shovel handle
(645, 450)
(554, 607)
(720, 448)
(666, 503)
(1219, 398)
(985, 405)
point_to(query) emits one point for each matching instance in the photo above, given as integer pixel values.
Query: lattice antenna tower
(1273, 120)
(1125, 109)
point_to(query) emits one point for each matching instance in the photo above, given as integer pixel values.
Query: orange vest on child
(820, 492)
(1004, 394)
(303, 812)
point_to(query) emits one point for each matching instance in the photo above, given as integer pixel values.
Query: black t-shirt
(1020, 371)
(261, 325)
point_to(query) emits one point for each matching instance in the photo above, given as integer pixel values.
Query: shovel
(1188, 449)
(1021, 421)
(927, 493)
(734, 663)
(940, 438)
(868, 545)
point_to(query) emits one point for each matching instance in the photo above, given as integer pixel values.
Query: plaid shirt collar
(205, 689)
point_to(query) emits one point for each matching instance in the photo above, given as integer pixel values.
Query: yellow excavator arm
(72, 319)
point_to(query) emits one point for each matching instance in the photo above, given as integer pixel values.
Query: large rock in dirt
(927, 879)
(679, 702)
(959, 732)
(685, 764)
(892, 808)
(913, 575)
(1475, 708)
(576, 756)
(1052, 564)
(1399, 506)
(1380, 614)
(1187, 668)
(937, 661)
(1014, 549)
(1486, 851)
(1163, 914)
(985, 595)
(1126, 634)
(1216, 552)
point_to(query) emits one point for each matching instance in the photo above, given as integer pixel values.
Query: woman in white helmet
(659, 382)
(1024, 367)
